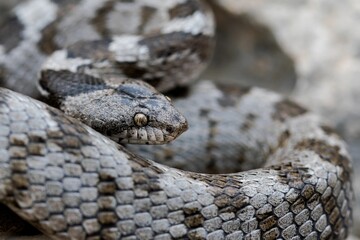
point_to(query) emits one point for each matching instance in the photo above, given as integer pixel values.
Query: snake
(253, 165)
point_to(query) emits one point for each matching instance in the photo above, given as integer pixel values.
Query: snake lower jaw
(149, 135)
(143, 142)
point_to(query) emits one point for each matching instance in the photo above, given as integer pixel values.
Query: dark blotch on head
(328, 153)
(11, 33)
(136, 91)
(231, 94)
(287, 109)
(64, 83)
(184, 9)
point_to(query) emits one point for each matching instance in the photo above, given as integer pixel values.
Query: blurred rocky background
(308, 50)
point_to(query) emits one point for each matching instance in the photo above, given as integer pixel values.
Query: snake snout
(169, 131)
(178, 126)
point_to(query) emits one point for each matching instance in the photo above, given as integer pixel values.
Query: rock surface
(308, 49)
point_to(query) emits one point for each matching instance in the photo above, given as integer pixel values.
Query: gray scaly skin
(164, 43)
(84, 76)
(89, 79)
(71, 182)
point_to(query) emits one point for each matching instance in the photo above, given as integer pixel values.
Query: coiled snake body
(70, 181)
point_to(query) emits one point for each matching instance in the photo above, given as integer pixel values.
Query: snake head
(126, 110)
(150, 117)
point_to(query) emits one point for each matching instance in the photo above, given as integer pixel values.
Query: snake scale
(71, 182)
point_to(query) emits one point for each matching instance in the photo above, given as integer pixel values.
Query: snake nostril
(169, 129)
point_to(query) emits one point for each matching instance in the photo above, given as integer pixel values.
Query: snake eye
(140, 119)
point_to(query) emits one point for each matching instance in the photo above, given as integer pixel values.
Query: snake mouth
(147, 135)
